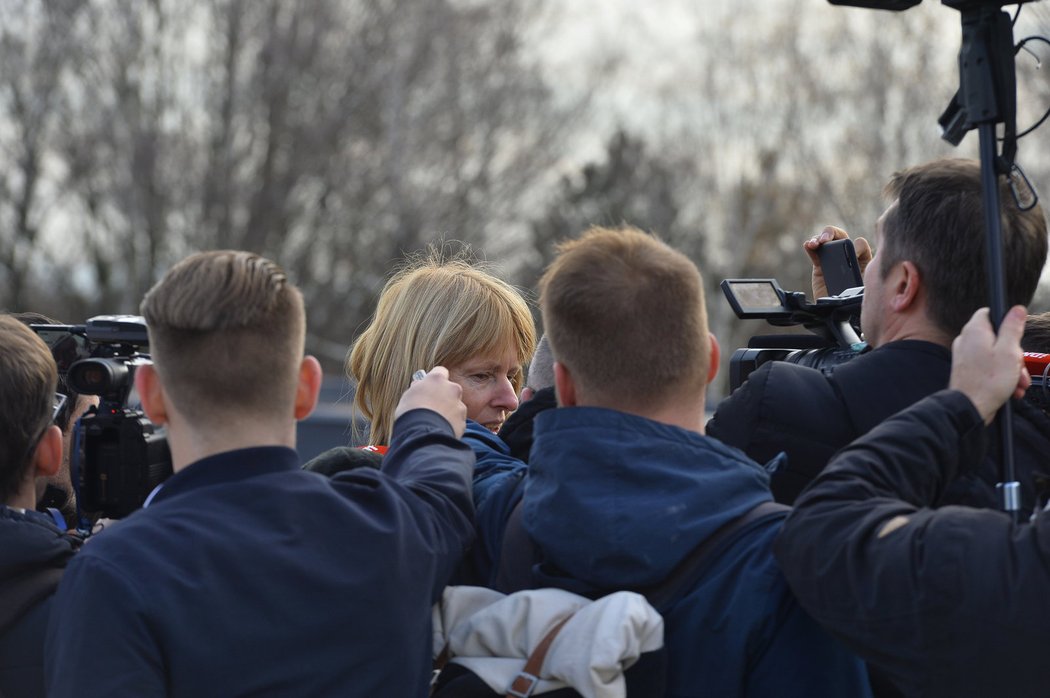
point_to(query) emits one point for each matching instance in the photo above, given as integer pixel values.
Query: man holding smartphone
(924, 283)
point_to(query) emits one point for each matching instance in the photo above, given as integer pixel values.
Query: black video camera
(834, 322)
(119, 456)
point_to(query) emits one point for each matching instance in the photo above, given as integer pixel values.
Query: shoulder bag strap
(688, 571)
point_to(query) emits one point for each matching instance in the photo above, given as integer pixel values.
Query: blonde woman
(443, 312)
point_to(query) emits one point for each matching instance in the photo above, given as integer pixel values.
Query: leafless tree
(335, 137)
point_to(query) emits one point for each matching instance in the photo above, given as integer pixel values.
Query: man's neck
(915, 327)
(691, 420)
(189, 445)
(684, 414)
(25, 498)
(934, 337)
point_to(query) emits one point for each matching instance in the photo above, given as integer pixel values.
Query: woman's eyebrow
(472, 368)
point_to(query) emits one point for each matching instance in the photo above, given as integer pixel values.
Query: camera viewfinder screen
(756, 294)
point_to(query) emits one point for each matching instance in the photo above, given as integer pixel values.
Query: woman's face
(488, 391)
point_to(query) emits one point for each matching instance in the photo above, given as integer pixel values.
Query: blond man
(244, 574)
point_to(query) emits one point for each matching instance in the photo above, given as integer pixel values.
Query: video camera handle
(834, 327)
(839, 323)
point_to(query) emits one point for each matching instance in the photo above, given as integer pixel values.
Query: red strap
(381, 450)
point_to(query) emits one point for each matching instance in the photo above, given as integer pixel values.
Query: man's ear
(906, 282)
(564, 385)
(47, 458)
(308, 388)
(151, 394)
(713, 358)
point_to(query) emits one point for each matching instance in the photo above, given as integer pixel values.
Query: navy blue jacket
(33, 553)
(248, 576)
(947, 602)
(615, 501)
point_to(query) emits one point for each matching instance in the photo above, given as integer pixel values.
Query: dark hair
(27, 383)
(1037, 333)
(938, 224)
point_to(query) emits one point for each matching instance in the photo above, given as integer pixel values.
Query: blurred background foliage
(337, 136)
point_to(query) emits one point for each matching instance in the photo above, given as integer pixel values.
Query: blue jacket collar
(229, 466)
(616, 499)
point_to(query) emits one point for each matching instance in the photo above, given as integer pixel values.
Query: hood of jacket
(617, 500)
(30, 541)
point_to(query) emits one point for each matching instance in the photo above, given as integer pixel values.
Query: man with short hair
(622, 487)
(244, 575)
(928, 277)
(57, 492)
(35, 551)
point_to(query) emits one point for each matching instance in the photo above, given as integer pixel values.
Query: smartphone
(838, 260)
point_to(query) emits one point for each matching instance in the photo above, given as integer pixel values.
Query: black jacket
(948, 602)
(516, 432)
(33, 555)
(809, 416)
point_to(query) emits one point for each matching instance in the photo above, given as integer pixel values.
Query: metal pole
(1008, 487)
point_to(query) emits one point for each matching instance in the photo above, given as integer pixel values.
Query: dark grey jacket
(947, 602)
(33, 555)
(809, 416)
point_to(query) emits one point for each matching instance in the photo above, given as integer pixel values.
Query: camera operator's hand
(987, 368)
(436, 392)
(860, 245)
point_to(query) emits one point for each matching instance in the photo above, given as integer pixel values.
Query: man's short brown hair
(625, 313)
(938, 224)
(226, 333)
(27, 385)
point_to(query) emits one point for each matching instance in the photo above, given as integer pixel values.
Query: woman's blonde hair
(433, 312)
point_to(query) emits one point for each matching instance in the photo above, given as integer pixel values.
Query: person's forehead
(493, 360)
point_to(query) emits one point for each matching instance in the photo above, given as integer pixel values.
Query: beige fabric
(492, 634)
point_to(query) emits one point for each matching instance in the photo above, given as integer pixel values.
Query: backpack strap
(689, 569)
(529, 677)
(518, 553)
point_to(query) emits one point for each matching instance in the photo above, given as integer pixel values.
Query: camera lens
(97, 376)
